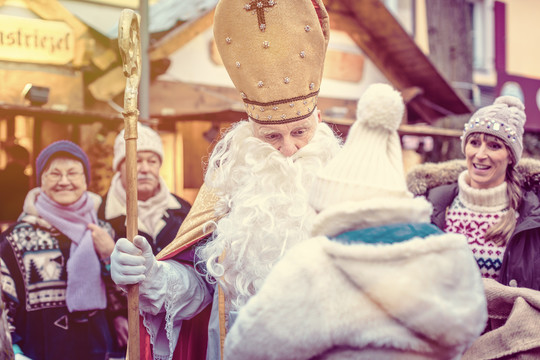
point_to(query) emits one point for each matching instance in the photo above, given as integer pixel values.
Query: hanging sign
(36, 41)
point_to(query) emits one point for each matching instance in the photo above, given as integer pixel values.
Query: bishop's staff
(130, 51)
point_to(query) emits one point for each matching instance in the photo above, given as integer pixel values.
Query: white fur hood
(418, 299)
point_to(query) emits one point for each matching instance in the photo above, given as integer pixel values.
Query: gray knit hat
(504, 119)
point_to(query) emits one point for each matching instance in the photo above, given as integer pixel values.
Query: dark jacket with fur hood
(521, 262)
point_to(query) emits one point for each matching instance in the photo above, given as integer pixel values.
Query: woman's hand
(103, 242)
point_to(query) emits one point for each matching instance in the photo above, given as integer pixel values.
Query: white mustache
(146, 177)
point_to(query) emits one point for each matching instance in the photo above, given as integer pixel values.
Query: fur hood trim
(370, 213)
(420, 299)
(427, 176)
(428, 293)
(398, 251)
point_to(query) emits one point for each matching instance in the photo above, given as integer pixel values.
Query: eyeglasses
(71, 176)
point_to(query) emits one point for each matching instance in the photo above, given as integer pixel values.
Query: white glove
(21, 357)
(131, 262)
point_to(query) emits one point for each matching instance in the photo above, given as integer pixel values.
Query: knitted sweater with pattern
(472, 213)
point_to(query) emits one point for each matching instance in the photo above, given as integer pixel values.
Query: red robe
(193, 339)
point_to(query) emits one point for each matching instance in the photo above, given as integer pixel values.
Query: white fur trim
(416, 281)
(374, 212)
(398, 250)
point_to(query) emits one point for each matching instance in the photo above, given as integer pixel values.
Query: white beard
(264, 197)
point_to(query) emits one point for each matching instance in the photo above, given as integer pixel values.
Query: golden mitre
(274, 52)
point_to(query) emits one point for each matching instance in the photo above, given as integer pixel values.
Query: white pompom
(510, 101)
(380, 106)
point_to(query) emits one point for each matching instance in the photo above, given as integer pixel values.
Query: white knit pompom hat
(370, 163)
(147, 140)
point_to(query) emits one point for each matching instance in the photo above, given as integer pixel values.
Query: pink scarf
(85, 287)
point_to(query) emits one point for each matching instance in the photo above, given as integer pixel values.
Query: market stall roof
(371, 25)
(62, 116)
(102, 15)
(382, 38)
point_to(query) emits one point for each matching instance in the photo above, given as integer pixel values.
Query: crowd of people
(298, 246)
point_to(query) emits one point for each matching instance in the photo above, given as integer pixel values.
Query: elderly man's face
(148, 165)
(290, 137)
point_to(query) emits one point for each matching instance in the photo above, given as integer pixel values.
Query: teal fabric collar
(388, 234)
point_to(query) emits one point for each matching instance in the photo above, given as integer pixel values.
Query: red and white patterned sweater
(474, 211)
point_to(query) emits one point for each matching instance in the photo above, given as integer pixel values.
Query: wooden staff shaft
(131, 231)
(130, 50)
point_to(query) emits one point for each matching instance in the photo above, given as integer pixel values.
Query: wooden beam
(215, 117)
(178, 99)
(180, 36)
(109, 85)
(425, 130)
(68, 116)
(404, 129)
(409, 94)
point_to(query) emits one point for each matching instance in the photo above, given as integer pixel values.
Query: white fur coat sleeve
(287, 304)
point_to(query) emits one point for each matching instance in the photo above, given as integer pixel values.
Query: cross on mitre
(259, 6)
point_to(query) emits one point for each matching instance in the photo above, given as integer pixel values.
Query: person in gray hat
(493, 199)
(486, 198)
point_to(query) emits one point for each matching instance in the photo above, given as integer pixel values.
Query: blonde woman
(493, 200)
(487, 202)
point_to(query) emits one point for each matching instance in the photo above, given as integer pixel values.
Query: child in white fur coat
(377, 280)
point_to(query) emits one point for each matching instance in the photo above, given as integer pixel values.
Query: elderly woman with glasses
(55, 271)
